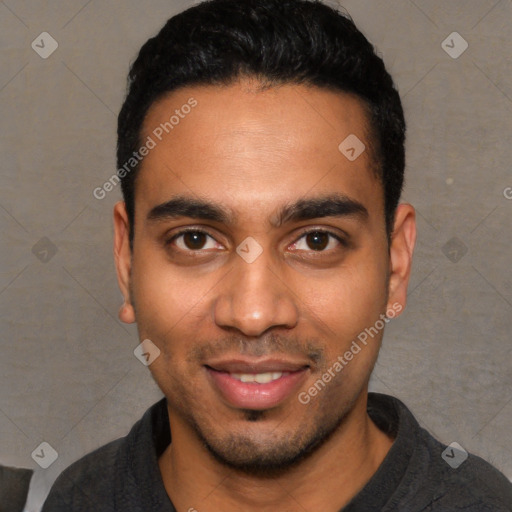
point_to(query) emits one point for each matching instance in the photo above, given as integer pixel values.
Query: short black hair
(217, 42)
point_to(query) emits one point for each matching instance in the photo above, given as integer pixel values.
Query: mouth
(256, 385)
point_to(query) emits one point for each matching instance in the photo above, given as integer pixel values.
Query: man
(261, 250)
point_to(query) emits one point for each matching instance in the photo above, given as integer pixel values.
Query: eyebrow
(189, 207)
(335, 205)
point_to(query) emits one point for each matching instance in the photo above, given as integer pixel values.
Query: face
(260, 255)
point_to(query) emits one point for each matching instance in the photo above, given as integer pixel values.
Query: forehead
(250, 148)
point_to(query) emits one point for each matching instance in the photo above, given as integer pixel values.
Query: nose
(253, 298)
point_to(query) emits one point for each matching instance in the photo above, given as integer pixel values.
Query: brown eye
(194, 240)
(317, 240)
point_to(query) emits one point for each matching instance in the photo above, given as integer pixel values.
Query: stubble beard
(277, 454)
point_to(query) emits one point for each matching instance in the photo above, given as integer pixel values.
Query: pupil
(194, 239)
(317, 241)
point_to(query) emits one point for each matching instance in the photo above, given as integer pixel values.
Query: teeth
(260, 378)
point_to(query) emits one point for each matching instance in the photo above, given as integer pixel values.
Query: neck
(343, 465)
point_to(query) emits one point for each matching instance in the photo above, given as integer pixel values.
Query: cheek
(166, 299)
(349, 300)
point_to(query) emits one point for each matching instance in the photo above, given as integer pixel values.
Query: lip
(240, 365)
(251, 395)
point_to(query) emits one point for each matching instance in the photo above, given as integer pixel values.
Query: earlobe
(122, 258)
(126, 313)
(403, 240)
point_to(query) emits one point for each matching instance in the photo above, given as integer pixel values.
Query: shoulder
(439, 477)
(87, 483)
(463, 481)
(14, 485)
(474, 485)
(107, 475)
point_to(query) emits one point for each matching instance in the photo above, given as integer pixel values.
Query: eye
(318, 241)
(193, 240)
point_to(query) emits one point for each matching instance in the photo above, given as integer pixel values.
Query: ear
(123, 257)
(403, 240)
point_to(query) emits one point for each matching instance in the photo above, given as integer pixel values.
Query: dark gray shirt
(124, 475)
(14, 485)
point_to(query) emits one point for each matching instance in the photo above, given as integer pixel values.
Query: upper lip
(256, 366)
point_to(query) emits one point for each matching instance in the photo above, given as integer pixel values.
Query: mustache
(271, 344)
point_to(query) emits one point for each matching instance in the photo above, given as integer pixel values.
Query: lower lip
(251, 395)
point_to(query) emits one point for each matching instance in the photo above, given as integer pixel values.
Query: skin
(251, 152)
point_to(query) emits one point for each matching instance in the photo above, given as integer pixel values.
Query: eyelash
(338, 238)
(343, 242)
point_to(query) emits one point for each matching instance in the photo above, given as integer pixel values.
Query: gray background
(67, 369)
